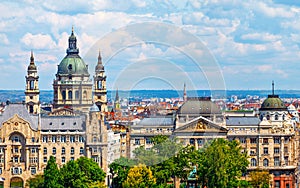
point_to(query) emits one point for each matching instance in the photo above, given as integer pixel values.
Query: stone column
(27, 158)
(282, 151)
(196, 143)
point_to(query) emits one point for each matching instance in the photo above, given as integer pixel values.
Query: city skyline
(252, 43)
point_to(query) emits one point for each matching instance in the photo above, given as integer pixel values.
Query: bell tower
(100, 98)
(32, 92)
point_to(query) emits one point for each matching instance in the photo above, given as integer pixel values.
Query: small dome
(273, 102)
(94, 108)
(72, 64)
(199, 106)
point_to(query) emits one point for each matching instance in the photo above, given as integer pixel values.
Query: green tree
(139, 177)
(221, 163)
(36, 181)
(52, 177)
(260, 178)
(91, 170)
(119, 170)
(72, 176)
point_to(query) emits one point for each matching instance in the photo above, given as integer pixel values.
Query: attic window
(50, 123)
(62, 123)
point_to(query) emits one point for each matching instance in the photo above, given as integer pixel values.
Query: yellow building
(74, 128)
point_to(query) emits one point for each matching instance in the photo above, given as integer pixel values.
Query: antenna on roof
(272, 87)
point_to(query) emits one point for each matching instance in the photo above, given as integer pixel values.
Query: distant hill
(46, 96)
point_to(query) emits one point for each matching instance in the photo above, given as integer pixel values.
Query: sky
(158, 44)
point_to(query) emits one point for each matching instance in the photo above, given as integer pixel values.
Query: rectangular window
(45, 139)
(72, 159)
(0, 170)
(148, 141)
(276, 161)
(53, 139)
(137, 141)
(45, 151)
(33, 150)
(276, 150)
(286, 140)
(16, 150)
(253, 140)
(242, 140)
(16, 159)
(266, 150)
(81, 139)
(33, 139)
(286, 160)
(33, 170)
(63, 139)
(265, 140)
(276, 140)
(285, 149)
(72, 139)
(63, 159)
(45, 159)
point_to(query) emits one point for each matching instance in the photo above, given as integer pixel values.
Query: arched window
(268, 117)
(276, 117)
(99, 84)
(94, 139)
(84, 95)
(77, 94)
(31, 85)
(70, 94)
(63, 150)
(63, 93)
(31, 109)
(253, 162)
(266, 162)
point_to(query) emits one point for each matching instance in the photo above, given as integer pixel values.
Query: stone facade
(75, 127)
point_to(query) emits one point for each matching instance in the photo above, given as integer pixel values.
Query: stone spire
(31, 66)
(99, 66)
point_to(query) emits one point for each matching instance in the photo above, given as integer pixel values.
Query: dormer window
(70, 67)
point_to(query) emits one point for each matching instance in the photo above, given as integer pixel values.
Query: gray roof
(156, 121)
(63, 123)
(19, 109)
(199, 106)
(242, 121)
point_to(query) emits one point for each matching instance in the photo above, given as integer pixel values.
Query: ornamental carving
(200, 125)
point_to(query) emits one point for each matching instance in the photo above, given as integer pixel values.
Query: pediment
(16, 123)
(200, 124)
(62, 112)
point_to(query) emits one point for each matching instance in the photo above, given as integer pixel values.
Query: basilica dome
(72, 64)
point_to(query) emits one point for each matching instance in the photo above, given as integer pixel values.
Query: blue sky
(251, 42)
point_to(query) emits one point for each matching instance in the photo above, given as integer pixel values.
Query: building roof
(273, 102)
(72, 64)
(156, 121)
(62, 123)
(19, 109)
(202, 105)
(242, 121)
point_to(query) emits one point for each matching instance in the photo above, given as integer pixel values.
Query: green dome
(273, 102)
(72, 64)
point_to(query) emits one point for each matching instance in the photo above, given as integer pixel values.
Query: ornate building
(72, 86)
(74, 128)
(270, 141)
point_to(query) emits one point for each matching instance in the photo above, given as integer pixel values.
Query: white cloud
(38, 41)
(261, 37)
(3, 39)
